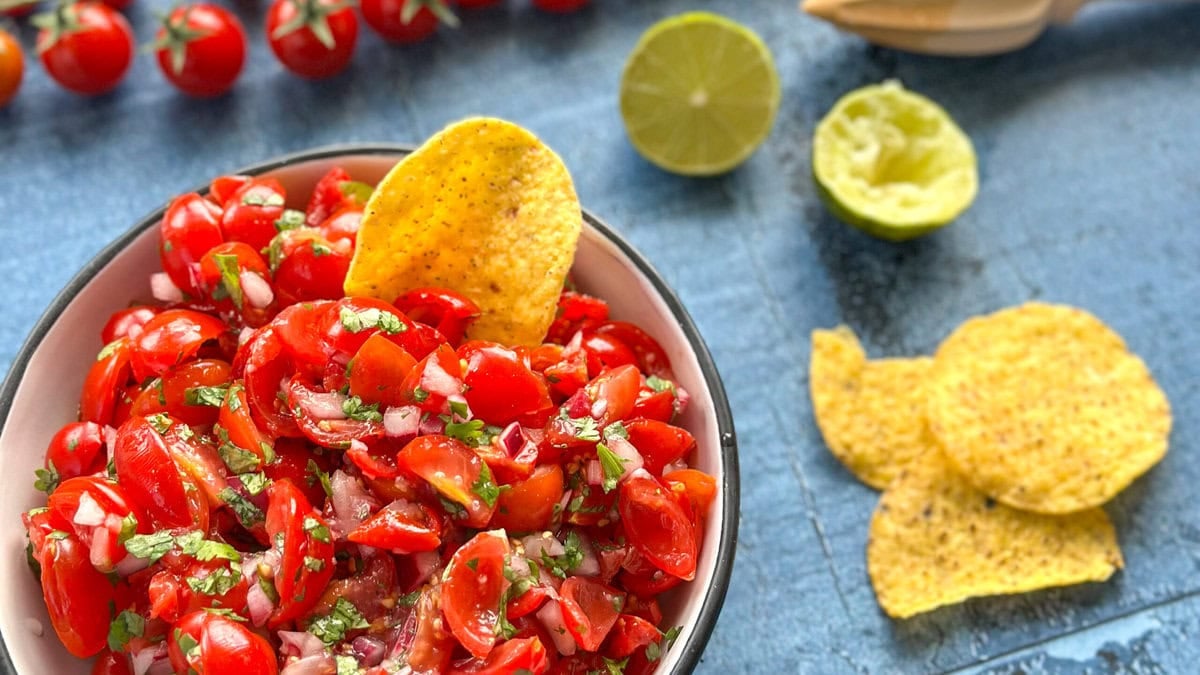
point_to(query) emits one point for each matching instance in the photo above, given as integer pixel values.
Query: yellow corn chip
(483, 208)
(871, 413)
(1043, 408)
(935, 540)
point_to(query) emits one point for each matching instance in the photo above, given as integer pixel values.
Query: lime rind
(699, 94)
(893, 163)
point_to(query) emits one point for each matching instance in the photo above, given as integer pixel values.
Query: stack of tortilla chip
(995, 455)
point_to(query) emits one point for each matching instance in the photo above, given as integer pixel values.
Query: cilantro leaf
(355, 409)
(227, 613)
(317, 529)
(187, 644)
(658, 384)
(409, 599)
(47, 479)
(366, 319)
(655, 650)
(218, 582)
(485, 487)
(231, 284)
(204, 550)
(124, 628)
(249, 514)
(160, 422)
(150, 547)
(616, 430)
(316, 474)
(209, 396)
(616, 667)
(289, 220)
(332, 627)
(470, 432)
(238, 459)
(585, 428)
(108, 349)
(571, 558)
(356, 190)
(613, 467)
(347, 665)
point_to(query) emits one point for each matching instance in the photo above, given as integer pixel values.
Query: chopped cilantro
(233, 398)
(659, 384)
(252, 198)
(124, 628)
(129, 525)
(614, 666)
(227, 613)
(237, 458)
(347, 665)
(33, 562)
(453, 509)
(274, 252)
(485, 487)
(218, 582)
(616, 430)
(473, 563)
(585, 428)
(231, 284)
(317, 529)
(571, 558)
(150, 547)
(409, 599)
(459, 409)
(358, 321)
(47, 479)
(268, 589)
(160, 422)
(504, 628)
(654, 650)
(316, 474)
(187, 643)
(249, 514)
(290, 220)
(613, 466)
(470, 432)
(313, 564)
(57, 535)
(419, 395)
(109, 349)
(332, 628)
(355, 409)
(185, 432)
(318, 248)
(158, 387)
(204, 550)
(254, 483)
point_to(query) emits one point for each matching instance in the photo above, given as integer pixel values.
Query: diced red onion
(259, 604)
(244, 337)
(257, 289)
(432, 424)
(551, 617)
(631, 459)
(595, 472)
(324, 405)
(589, 566)
(640, 473)
(427, 563)
(402, 421)
(574, 344)
(317, 664)
(130, 564)
(89, 513)
(300, 643)
(351, 502)
(519, 565)
(435, 380)
(538, 544)
(163, 289)
(512, 439)
(149, 660)
(100, 553)
(599, 408)
(369, 650)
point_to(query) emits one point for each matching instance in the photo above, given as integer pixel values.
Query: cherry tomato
(659, 443)
(630, 634)
(605, 352)
(400, 527)
(112, 663)
(520, 655)
(292, 459)
(104, 380)
(407, 21)
(590, 610)
(449, 312)
(560, 6)
(651, 357)
(201, 49)
(432, 645)
(334, 191)
(222, 188)
(343, 225)
(431, 383)
(170, 338)
(301, 331)
(78, 597)
(319, 426)
(77, 449)
(657, 527)
(527, 506)
(528, 602)
(212, 644)
(308, 266)
(266, 366)
(239, 428)
(378, 370)
(299, 534)
(127, 323)
(310, 53)
(172, 594)
(499, 387)
(153, 482)
(223, 273)
(189, 229)
(613, 393)
(197, 456)
(654, 405)
(170, 392)
(453, 470)
(87, 47)
(699, 487)
(251, 212)
(575, 311)
(12, 67)
(94, 509)
(472, 590)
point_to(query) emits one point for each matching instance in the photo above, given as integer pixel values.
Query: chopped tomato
(590, 610)
(213, 644)
(500, 388)
(186, 392)
(172, 338)
(104, 380)
(305, 547)
(473, 589)
(377, 371)
(659, 443)
(77, 596)
(449, 312)
(528, 505)
(152, 480)
(400, 527)
(127, 322)
(457, 473)
(521, 655)
(657, 526)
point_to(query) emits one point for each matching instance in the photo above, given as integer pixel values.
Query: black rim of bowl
(715, 596)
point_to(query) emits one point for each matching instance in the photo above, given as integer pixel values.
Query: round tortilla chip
(483, 208)
(871, 413)
(1044, 408)
(935, 540)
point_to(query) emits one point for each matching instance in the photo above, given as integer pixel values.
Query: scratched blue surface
(1089, 148)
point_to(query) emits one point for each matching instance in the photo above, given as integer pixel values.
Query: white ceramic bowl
(41, 393)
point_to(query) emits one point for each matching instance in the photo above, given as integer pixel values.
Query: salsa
(269, 477)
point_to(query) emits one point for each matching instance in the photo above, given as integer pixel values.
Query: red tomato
(318, 427)
(453, 470)
(378, 370)
(251, 212)
(169, 393)
(400, 527)
(171, 595)
(560, 6)
(201, 49)
(308, 266)
(657, 527)
(334, 191)
(605, 352)
(78, 597)
(594, 507)
(613, 393)
(499, 387)
(630, 634)
(87, 48)
(527, 506)
(521, 655)
(650, 355)
(654, 405)
(433, 380)
(575, 311)
(473, 588)
(12, 66)
(298, 532)
(432, 645)
(197, 457)
(301, 331)
(222, 273)
(590, 610)
(112, 663)
(127, 323)
(153, 482)
(699, 487)
(212, 644)
(222, 188)
(343, 225)
(528, 602)
(451, 313)
(77, 449)
(659, 443)
(309, 53)
(172, 337)
(104, 380)
(292, 457)
(266, 366)
(89, 499)
(407, 21)
(353, 320)
(190, 227)
(239, 427)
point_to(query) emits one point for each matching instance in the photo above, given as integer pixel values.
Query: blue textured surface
(1089, 148)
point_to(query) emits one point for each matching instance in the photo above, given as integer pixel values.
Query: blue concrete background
(1089, 149)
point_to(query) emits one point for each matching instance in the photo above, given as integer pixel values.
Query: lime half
(893, 163)
(699, 94)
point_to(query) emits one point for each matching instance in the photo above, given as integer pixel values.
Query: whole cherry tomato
(78, 597)
(212, 644)
(407, 21)
(251, 212)
(312, 38)
(201, 49)
(12, 67)
(473, 588)
(308, 266)
(77, 449)
(560, 6)
(87, 47)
